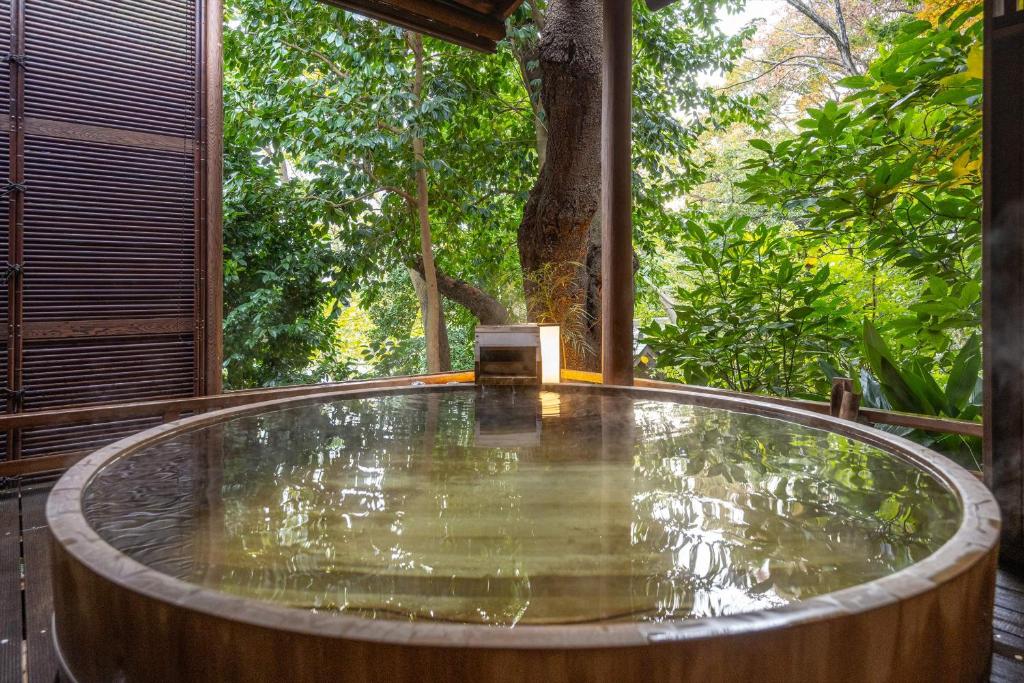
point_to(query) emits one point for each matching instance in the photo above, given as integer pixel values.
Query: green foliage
(892, 175)
(871, 208)
(283, 280)
(885, 184)
(320, 116)
(674, 49)
(909, 386)
(751, 315)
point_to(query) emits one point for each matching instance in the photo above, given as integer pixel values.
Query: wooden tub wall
(118, 620)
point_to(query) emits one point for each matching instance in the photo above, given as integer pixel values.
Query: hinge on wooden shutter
(16, 397)
(15, 59)
(13, 187)
(11, 270)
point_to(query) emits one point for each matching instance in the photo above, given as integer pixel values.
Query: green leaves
(964, 375)
(910, 386)
(890, 177)
(904, 392)
(751, 315)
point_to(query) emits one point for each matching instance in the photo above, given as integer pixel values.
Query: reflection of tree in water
(378, 506)
(739, 512)
(421, 506)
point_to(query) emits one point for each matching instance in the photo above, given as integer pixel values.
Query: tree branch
(842, 42)
(486, 309)
(331, 66)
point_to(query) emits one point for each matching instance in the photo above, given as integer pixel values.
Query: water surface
(519, 507)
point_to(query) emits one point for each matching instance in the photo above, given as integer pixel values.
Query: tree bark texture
(444, 348)
(555, 245)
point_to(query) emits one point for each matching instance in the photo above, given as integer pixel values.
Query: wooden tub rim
(976, 539)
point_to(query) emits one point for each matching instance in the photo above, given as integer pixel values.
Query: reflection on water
(519, 507)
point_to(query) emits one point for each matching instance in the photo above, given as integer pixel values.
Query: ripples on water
(519, 507)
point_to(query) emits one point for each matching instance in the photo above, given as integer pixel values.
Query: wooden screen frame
(209, 195)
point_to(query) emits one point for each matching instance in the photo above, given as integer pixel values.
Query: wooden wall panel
(5, 273)
(6, 136)
(1003, 267)
(74, 372)
(112, 226)
(81, 439)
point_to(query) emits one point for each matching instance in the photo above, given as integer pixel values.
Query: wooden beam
(103, 135)
(617, 195)
(1003, 269)
(455, 24)
(505, 8)
(120, 327)
(26, 467)
(485, 7)
(927, 423)
(172, 409)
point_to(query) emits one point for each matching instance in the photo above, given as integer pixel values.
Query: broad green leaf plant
(751, 314)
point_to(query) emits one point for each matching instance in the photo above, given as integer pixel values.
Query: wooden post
(617, 195)
(1003, 268)
(16, 226)
(844, 403)
(840, 387)
(210, 246)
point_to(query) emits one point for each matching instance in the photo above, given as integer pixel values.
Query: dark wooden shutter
(1003, 266)
(109, 224)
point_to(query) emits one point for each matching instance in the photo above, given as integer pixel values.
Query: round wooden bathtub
(118, 620)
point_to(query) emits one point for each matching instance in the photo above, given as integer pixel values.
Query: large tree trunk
(555, 234)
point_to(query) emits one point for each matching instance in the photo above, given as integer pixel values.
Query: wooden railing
(926, 423)
(172, 409)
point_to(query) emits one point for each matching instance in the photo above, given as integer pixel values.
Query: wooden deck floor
(1008, 644)
(26, 652)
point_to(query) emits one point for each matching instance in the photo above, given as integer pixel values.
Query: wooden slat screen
(78, 439)
(5, 100)
(5, 216)
(108, 232)
(128, 64)
(105, 106)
